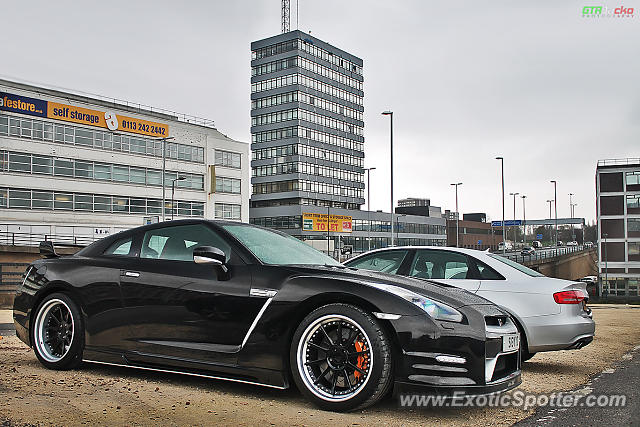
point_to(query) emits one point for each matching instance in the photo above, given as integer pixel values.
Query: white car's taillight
(569, 297)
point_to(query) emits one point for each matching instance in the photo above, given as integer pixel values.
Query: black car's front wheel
(341, 358)
(57, 332)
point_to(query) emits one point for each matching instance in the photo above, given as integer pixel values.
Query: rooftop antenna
(286, 6)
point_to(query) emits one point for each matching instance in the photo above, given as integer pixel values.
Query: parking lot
(99, 395)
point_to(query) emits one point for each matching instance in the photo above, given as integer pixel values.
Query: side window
(486, 272)
(431, 264)
(177, 243)
(120, 247)
(384, 262)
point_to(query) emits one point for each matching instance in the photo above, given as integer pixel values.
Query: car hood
(455, 297)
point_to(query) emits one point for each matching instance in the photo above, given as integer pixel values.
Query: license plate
(510, 342)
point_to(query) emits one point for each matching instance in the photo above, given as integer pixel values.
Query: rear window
(120, 247)
(519, 267)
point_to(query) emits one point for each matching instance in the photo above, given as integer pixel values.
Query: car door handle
(131, 274)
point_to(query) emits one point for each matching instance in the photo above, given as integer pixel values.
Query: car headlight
(433, 308)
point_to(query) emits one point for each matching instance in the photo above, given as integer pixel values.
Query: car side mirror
(209, 255)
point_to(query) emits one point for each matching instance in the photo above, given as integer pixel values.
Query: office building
(618, 218)
(307, 141)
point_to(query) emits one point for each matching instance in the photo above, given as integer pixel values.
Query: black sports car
(243, 303)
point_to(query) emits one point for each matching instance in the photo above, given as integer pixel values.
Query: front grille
(499, 365)
(500, 320)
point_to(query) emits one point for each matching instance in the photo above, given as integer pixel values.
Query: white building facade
(75, 168)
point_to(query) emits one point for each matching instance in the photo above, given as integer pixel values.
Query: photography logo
(606, 12)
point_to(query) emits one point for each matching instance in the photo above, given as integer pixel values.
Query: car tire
(341, 358)
(57, 332)
(524, 344)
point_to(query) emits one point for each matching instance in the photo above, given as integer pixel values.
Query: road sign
(479, 242)
(539, 237)
(508, 223)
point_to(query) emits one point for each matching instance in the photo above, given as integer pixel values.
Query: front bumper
(448, 358)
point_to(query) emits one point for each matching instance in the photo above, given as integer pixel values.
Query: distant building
(473, 234)
(477, 217)
(450, 215)
(308, 150)
(618, 218)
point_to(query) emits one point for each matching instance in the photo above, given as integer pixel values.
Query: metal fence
(544, 254)
(11, 275)
(13, 238)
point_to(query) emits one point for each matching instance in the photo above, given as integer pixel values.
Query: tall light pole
(555, 205)
(524, 219)
(457, 213)
(514, 219)
(550, 201)
(390, 114)
(369, 205)
(504, 233)
(173, 189)
(571, 204)
(164, 161)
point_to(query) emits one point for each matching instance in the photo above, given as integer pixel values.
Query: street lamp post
(550, 201)
(173, 189)
(524, 219)
(571, 204)
(457, 214)
(369, 205)
(390, 114)
(164, 161)
(555, 205)
(504, 233)
(515, 228)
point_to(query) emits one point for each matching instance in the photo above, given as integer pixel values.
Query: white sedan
(551, 314)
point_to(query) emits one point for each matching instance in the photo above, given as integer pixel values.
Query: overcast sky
(532, 81)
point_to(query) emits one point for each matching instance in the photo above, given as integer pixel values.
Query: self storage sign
(23, 105)
(85, 116)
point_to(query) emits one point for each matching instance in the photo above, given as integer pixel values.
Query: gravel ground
(98, 395)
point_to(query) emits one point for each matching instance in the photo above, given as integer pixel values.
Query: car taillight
(569, 297)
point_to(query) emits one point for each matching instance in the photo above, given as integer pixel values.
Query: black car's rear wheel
(58, 332)
(341, 358)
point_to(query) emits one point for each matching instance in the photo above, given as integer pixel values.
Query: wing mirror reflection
(209, 255)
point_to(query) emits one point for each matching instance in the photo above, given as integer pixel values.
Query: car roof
(475, 252)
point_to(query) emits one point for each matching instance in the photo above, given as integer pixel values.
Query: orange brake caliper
(362, 360)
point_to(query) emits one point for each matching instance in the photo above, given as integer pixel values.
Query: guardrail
(545, 253)
(11, 275)
(13, 238)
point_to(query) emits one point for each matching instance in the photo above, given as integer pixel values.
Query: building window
(27, 163)
(228, 211)
(227, 159)
(633, 227)
(634, 251)
(610, 182)
(227, 185)
(49, 200)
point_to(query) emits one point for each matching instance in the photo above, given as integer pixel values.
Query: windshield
(519, 267)
(275, 248)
